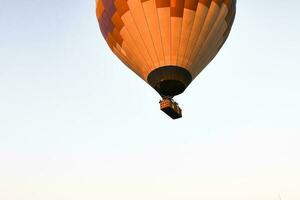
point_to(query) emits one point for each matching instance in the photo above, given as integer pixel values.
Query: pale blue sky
(76, 124)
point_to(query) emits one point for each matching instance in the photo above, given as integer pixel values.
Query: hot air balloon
(166, 42)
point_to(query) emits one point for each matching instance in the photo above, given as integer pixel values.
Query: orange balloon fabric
(149, 34)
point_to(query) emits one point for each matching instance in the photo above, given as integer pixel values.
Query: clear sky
(76, 124)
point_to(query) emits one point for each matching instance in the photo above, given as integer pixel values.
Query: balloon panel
(149, 34)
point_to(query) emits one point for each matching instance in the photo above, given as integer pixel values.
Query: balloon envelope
(166, 42)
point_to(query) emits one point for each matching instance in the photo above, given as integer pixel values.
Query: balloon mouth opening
(169, 80)
(170, 87)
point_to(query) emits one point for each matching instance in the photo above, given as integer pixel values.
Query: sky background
(75, 123)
